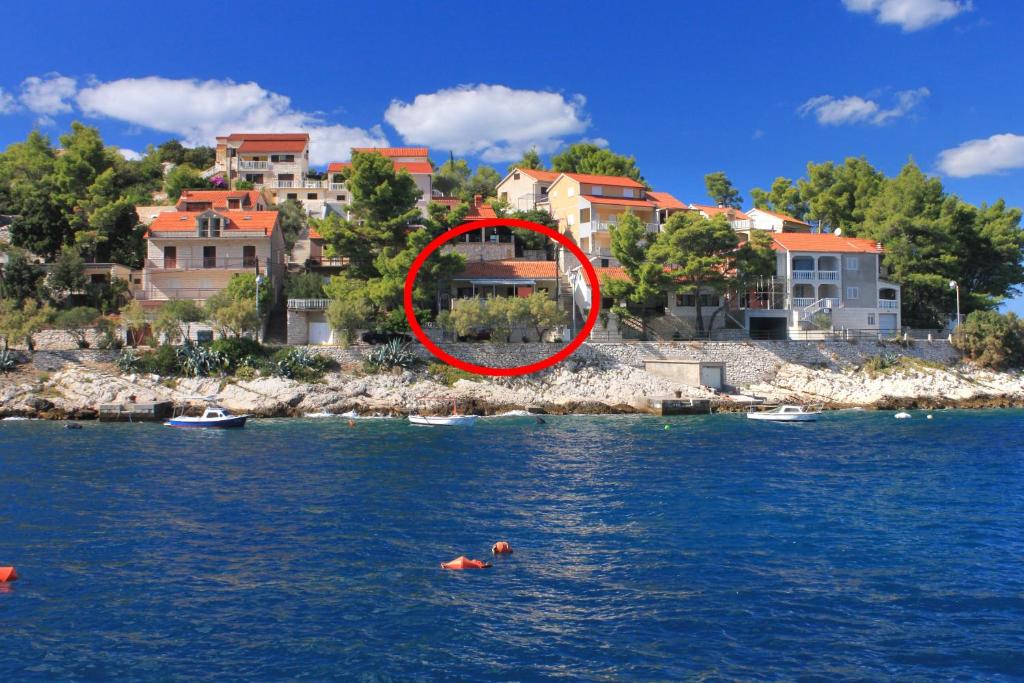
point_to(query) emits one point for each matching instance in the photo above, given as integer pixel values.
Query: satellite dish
(838, 232)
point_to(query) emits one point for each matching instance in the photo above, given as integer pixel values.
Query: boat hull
(783, 417)
(443, 420)
(232, 422)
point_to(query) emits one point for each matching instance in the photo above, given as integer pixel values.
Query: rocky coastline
(599, 379)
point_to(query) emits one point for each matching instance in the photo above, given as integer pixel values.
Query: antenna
(838, 232)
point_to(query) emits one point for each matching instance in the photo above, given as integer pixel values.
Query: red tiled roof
(218, 198)
(185, 221)
(479, 213)
(413, 167)
(665, 201)
(785, 217)
(509, 270)
(450, 202)
(611, 273)
(393, 151)
(617, 181)
(539, 174)
(269, 136)
(712, 211)
(620, 201)
(255, 146)
(825, 243)
(314, 235)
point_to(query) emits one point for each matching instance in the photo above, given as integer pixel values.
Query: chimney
(478, 200)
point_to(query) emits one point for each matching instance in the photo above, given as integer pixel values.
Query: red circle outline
(565, 352)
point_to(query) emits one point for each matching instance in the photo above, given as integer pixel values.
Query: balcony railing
(802, 302)
(891, 304)
(174, 294)
(337, 186)
(297, 184)
(816, 275)
(224, 263)
(308, 304)
(253, 165)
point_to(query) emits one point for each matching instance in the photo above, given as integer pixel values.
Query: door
(319, 333)
(249, 256)
(711, 377)
(170, 257)
(209, 257)
(887, 322)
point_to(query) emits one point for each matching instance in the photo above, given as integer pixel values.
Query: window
(708, 300)
(596, 190)
(283, 158)
(249, 256)
(569, 219)
(341, 197)
(604, 264)
(871, 318)
(852, 263)
(584, 215)
(311, 195)
(515, 176)
(215, 227)
(627, 192)
(571, 192)
(686, 300)
(292, 195)
(504, 196)
(209, 257)
(853, 292)
(170, 257)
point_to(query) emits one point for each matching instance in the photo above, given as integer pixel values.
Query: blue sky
(754, 88)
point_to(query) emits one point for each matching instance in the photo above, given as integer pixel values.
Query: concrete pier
(136, 412)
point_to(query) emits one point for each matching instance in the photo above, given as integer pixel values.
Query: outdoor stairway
(277, 326)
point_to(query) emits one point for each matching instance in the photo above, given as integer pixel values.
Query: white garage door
(319, 333)
(711, 377)
(887, 322)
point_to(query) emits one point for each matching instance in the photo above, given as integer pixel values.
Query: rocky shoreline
(72, 385)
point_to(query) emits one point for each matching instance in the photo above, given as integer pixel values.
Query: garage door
(887, 322)
(711, 377)
(319, 333)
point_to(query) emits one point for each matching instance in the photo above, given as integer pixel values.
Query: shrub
(76, 322)
(161, 361)
(300, 363)
(447, 375)
(991, 340)
(7, 361)
(881, 363)
(127, 361)
(239, 352)
(246, 372)
(200, 361)
(393, 354)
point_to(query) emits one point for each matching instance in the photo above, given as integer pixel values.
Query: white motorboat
(443, 420)
(456, 419)
(213, 417)
(785, 414)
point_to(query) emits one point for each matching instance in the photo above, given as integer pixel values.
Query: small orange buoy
(463, 562)
(501, 548)
(7, 574)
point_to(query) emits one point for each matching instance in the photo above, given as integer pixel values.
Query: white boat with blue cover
(784, 414)
(214, 417)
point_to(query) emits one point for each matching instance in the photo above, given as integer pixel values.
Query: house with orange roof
(240, 200)
(739, 220)
(525, 189)
(193, 254)
(275, 162)
(773, 221)
(413, 160)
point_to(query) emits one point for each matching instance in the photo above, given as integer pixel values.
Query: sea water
(856, 547)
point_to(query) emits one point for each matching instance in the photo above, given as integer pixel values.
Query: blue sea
(713, 548)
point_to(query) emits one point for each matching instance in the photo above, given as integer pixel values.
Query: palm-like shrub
(7, 361)
(200, 361)
(299, 363)
(393, 354)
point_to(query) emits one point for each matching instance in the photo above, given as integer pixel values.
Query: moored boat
(785, 413)
(213, 417)
(455, 419)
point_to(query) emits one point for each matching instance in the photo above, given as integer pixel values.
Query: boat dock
(136, 412)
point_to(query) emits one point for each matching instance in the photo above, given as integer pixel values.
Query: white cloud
(910, 15)
(598, 142)
(493, 121)
(198, 111)
(985, 156)
(129, 154)
(48, 95)
(7, 102)
(838, 111)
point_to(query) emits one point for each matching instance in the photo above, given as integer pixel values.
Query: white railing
(812, 275)
(741, 224)
(337, 186)
(802, 302)
(253, 165)
(605, 226)
(172, 294)
(888, 303)
(816, 307)
(229, 263)
(828, 275)
(297, 184)
(308, 304)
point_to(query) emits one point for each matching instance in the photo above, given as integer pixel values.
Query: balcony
(337, 186)
(816, 275)
(253, 165)
(890, 304)
(174, 294)
(308, 304)
(590, 228)
(297, 184)
(801, 302)
(226, 263)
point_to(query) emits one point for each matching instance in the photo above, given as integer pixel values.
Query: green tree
(23, 167)
(116, 234)
(292, 220)
(784, 197)
(839, 196)
(183, 177)
(349, 310)
(630, 244)
(19, 321)
(469, 317)
(67, 275)
(530, 161)
(991, 340)
(585, 157)
(721, 190)
(77, 322)
(174, 320)
(696, 251)
(231, 316)
(483, 183)
(133, 316)
(304, 286)
(452, 177)
(545, 315)
(242, 287)
(21, 278)
(42, 225)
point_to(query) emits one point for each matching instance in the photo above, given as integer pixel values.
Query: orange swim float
(7, 574)
(501, 548)
(463, 562)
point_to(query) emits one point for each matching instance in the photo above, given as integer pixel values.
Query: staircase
(276, 330)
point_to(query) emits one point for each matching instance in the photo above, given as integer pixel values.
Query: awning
(509, 282)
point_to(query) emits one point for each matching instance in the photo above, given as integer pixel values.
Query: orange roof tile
(245, 221)
(712, 211)
(785, 217)
(257, 146)
(540, 174)
(665, 201)
(314, 234)
(413, 167)
(612, 273)
(393, 151)
(509, 270)
(218, 198)
(479, 213)
(825, 242)
(617, 181)
(619, 201)
(447, 201)
(269, 136)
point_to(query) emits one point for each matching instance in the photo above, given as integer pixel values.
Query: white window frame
(627, 192)
(572, 191)
(596, 190)
(871, 319)
(853, 293)
(852, 263)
